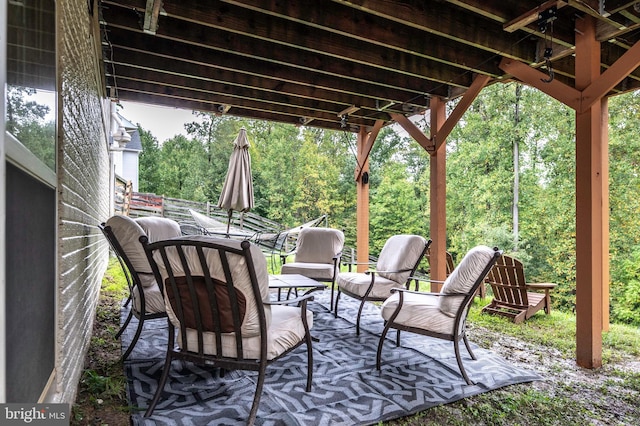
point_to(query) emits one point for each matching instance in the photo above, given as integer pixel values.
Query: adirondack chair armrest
(541, 286)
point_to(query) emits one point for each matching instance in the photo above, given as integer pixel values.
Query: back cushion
(239, 274)
(203, 304)
(128, 234)
(319, 245)
(464, 277)
(400, 252)
(159, 228)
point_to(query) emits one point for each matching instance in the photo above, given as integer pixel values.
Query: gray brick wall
(83, 191)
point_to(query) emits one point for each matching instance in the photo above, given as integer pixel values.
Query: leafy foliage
(26, 121)
(301, 173)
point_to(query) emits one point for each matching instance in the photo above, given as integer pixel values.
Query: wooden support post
(362, 206)
(591, 196)
(438, 195)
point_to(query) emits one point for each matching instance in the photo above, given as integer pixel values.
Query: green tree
(26, 121)
(149, 170)
(182, 168)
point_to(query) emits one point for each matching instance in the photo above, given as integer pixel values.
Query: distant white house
(126, 158)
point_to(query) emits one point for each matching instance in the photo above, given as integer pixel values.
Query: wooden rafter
(365, 151)
(151, 15)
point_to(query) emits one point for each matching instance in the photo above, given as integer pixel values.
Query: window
(31, 77)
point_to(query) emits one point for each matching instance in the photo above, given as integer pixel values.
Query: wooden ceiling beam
(151, 15)
(294, 112)
(256, 35)
(449, 22)
(531, 16)
(215, 89)
(228, 43)
(353, 24)
(190, 104)
(143, 51)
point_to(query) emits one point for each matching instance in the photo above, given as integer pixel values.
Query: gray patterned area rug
(347, 388)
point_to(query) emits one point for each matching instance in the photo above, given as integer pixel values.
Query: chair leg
(333, 283)
(309, 362)
(358, 319)
(256, 398)
(466, 343)
(126, 323)
(335, 312)
(382, 336)
(135, 338)
(162, 382)
(456, 346)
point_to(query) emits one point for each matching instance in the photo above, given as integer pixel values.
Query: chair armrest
(427, 293)
(297, 300)
(541, 286)
(425, 280)
(377, 271)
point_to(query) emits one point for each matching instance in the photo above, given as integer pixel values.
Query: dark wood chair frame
(374, 273)
(133, 281)
(459, 333)
(215, 304)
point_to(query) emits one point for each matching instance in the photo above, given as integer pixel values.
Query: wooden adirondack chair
(511, 295)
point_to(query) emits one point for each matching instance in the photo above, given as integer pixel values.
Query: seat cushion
(400, 252)
(357, 283)
(286, 331)
(420, 311)
(464, 277)
(317, 271)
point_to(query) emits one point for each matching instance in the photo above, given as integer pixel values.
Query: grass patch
(101, 395)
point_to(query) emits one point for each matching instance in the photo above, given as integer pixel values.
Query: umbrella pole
(229, 222)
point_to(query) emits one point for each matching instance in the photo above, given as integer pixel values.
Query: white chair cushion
(358, 282)
(318, 245)
(128, 232)
(420, 311)
(153, 300)
(463, 277)
(159, 228)
(285, 331)
(318, 271)
(400, 252)
(239, 273)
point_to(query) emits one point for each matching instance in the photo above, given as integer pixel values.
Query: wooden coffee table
(294, 282)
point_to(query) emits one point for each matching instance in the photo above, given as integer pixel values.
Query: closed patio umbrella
(237, 191)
